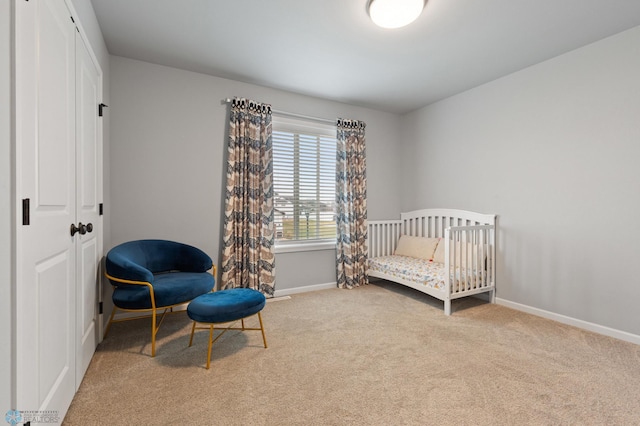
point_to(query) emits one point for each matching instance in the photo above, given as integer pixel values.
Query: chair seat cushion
(226, 305)
(171, 288)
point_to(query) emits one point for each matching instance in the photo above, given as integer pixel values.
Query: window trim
(297, 246)
(304, 125)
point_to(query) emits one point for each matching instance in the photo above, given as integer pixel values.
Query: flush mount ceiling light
(394, 13)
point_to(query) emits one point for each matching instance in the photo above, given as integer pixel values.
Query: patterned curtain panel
(351, 204)
(247, 258)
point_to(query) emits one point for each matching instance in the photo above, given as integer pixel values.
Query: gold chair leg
(113, 312)
(264, 338)
(193, 329)
(153, 333)
(210, 344)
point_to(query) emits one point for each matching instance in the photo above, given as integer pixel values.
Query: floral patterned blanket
(428, 273)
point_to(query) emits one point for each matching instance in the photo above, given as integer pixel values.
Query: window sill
(292, 248)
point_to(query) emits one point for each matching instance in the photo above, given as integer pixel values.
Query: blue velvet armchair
(155, 275)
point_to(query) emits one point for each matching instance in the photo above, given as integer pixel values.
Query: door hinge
(100, 307)
(72, 20)
(100, 209)
(100, 107)
(26, 215)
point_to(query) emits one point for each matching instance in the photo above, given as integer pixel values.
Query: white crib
(469, 253)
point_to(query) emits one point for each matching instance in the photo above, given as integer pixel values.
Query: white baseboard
(304, 289)
(278, 298)
(585, 325)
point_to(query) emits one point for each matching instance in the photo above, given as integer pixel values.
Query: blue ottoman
(223, 307)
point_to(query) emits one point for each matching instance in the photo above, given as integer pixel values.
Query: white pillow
(418, 247)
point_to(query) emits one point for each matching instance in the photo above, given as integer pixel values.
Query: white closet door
(46, 254)
(88, 196)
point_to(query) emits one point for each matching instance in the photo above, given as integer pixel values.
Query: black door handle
(89, 227)
(81, 228)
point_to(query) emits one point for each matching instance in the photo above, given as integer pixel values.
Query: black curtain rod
(293, 114)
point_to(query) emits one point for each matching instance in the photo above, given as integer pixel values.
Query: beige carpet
(381, 354)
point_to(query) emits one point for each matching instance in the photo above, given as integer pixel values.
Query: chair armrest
(193, 259)
(123, 268)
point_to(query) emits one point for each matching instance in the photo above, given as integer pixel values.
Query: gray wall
(6, 207)
(168, 141)
(554, 151)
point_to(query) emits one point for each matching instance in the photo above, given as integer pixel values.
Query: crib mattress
(429, 274)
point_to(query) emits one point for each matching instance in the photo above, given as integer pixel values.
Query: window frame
(310, 127)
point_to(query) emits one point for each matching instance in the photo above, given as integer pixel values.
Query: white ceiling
(331, 49)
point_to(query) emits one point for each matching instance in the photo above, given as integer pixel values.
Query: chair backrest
(139, 260)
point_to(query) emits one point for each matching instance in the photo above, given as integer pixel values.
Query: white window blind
(304, 170)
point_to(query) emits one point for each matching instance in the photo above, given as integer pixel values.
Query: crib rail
(383, 237)
(471, 259)
(433, 222)
(384, 234)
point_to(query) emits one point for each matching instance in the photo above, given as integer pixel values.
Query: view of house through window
(304, 170)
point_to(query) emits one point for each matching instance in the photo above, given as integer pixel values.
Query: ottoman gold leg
(264, 338)
(210, 344)
(193, 329)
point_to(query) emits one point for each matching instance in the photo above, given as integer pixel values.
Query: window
(304, 180)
